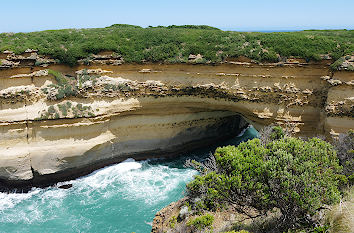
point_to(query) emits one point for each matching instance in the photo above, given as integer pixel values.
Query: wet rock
(65, 186)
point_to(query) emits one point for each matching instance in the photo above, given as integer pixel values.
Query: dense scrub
(173, 44)
(293, 176)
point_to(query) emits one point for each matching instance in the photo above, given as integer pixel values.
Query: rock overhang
(116, 108)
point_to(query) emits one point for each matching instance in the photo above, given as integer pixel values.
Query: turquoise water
(120, 198)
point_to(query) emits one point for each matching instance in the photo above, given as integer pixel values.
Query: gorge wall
(54, 130)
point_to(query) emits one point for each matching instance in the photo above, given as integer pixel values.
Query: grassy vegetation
(340, 217)
(173, 44)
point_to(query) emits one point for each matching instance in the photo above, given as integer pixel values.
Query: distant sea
(277, 30)
(254, 30)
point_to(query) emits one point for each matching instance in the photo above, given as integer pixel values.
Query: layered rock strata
(59, 122)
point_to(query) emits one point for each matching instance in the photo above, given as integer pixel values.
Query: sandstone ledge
(142, 111)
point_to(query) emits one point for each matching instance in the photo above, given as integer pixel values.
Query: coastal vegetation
(202, 222)
(277, 175)
(62, 89)
(65, 110)
(174, 44)
(288, 179)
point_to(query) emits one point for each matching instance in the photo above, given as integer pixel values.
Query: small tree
(295, 176)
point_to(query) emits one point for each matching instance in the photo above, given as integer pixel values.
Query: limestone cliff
(54, 127)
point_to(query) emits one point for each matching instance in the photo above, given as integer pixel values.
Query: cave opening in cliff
(128, 193)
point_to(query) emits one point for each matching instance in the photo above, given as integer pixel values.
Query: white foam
(152, 184)
(243, 131)
(9, 200)
(54, 194)
(129, 180)
(133, 181)
(20, 207)
(128, 165)
(104, 177)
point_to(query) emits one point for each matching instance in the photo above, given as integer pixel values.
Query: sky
(248, 15)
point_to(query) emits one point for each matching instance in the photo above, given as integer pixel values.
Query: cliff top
(179, 44)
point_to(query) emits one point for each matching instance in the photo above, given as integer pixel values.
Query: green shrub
(78, 111)
(175, 43)
(51, 109)
(64, 86)
(277, 133)
(337, 64)
(201, 222)
(82, 78)
(59, 77)
(61, 94)
(173, 222)
(193, 27)
(298, 177)
(63, 109)
(123, 26)
(68, 104)
(79, 107)
(188, 205)
(320, 229)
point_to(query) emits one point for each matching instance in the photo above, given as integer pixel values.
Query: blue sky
(250, 15)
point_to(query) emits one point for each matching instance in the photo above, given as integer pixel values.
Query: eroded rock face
(98, 115)
(9, 59)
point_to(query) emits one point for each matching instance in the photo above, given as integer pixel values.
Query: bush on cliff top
(173, 44)
(295, 176)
